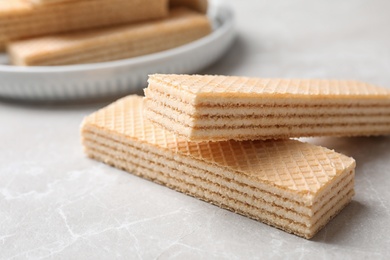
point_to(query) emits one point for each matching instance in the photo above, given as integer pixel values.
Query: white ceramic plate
(100, 80)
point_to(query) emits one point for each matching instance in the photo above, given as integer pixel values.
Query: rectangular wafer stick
(181, 27)
(203, 108)
(20, 19)
(294, 186)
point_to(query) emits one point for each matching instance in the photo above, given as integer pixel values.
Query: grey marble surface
(56, 203)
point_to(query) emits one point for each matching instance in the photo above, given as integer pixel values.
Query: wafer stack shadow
(63, 32)
(341, 228)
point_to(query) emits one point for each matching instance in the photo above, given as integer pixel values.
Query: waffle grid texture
(307, 175)
(278, 162)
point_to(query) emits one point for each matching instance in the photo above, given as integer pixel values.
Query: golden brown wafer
(181, 27)
(204, 108)
(294, 186)
(20, 19)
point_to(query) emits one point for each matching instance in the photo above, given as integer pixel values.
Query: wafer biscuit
(294, 186)
(198, 5)
(21, 19)
(181, 27)
(203, 108)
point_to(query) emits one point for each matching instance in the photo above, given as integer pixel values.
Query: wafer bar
(181, 27)
(198, 5)
(294, 186)
(204, 108)
(20, 19)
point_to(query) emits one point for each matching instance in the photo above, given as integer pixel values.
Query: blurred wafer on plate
(213, 108)
(21, 19)
(99, 45)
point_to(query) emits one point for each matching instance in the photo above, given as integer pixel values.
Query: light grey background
(56, 203)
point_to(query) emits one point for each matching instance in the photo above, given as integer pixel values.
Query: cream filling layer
(225, 120)
(264, 132)
(272, 99)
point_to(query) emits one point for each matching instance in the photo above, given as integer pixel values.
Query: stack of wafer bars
(63, 32)
(294, 186)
